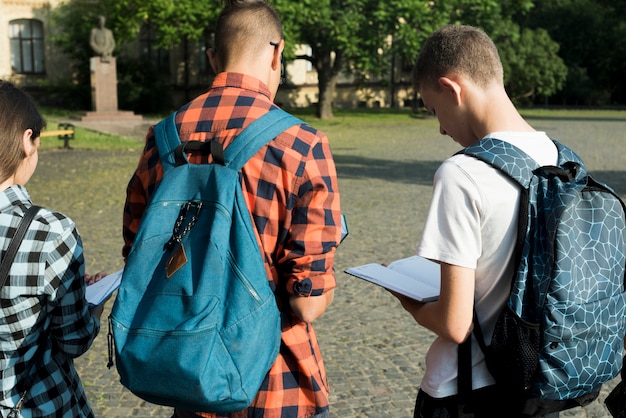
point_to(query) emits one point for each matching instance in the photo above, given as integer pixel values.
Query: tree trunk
(327, 84)
(327, 74)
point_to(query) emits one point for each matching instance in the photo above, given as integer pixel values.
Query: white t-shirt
(472, 222)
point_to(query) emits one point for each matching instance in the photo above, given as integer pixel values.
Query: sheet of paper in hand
(100, 290)
(415, 277)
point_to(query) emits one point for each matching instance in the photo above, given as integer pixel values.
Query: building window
(158, 57)
(27, 51)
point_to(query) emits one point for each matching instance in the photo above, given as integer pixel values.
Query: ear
(28, 143)
(451, 86)
(213, 60)
(278, 50)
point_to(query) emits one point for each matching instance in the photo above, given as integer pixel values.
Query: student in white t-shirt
(471, 225)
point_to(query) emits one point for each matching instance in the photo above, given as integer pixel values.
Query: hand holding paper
(99, 292)
(91, 279)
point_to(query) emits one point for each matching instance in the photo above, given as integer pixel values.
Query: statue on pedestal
(103, 72)
(102, 41)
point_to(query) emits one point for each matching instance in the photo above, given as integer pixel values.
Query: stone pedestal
(104, 93)
(103, 84)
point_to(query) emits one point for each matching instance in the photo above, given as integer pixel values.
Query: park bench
(65, 133)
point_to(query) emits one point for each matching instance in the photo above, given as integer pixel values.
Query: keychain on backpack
(179, 258)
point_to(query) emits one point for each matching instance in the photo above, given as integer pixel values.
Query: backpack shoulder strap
(506, 157)
(167, 139)
(257, 134)
(519, 166)
(247, 143)
(16, 240)
(566, 154)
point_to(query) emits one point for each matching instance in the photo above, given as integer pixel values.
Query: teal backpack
(561, 334)
(195, 322)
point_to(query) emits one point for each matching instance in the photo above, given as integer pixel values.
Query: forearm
(308, 309)
(438, 319)
(451, 316)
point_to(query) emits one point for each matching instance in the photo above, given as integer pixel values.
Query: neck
(7, 183)
(499, 114)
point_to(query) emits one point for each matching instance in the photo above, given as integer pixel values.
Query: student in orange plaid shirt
(290, 186)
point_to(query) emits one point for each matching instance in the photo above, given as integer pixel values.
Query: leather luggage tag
(176, 261)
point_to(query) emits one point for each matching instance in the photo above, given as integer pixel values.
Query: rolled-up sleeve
(315, 227)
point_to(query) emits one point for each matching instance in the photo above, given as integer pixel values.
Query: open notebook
(415, 277)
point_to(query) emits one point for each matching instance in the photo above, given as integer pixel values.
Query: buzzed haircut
(244, 26)
(459, 49)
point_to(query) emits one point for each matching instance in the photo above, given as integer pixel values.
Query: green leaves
(532, 66)
(174, 21)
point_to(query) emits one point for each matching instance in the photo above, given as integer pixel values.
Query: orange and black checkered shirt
(290, 186)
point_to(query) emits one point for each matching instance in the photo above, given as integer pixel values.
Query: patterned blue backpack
(561, 334)
(195, 322)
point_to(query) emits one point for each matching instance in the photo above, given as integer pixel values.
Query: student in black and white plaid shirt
(45, 321)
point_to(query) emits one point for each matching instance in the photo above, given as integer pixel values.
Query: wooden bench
(65, 132)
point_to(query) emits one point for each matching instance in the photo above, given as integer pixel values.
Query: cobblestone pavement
(373, 351)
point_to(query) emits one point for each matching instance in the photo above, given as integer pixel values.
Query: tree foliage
(592, 36)
(356, 37)
(361, 37)
(175, 21)
(531, 63)
(571, 49)
(71, 24)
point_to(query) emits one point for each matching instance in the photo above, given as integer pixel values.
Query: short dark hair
(17, 114)
(461, 49)
(246, 25)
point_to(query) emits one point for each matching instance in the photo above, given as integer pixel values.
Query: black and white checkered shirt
(44, 318)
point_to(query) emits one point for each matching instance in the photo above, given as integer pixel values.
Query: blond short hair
(459, 49)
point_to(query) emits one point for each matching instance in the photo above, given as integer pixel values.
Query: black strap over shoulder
(464, 377)
(204, 147)
(16, 240)
(567, 173)
(173, 153)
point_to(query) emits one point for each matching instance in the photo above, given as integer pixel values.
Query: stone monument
(103, 71)
(102, 41)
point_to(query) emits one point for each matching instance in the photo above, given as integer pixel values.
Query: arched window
(27, 49)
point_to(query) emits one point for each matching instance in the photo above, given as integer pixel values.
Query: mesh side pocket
(513, 356)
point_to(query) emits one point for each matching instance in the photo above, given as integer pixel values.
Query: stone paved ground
(374, 352)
